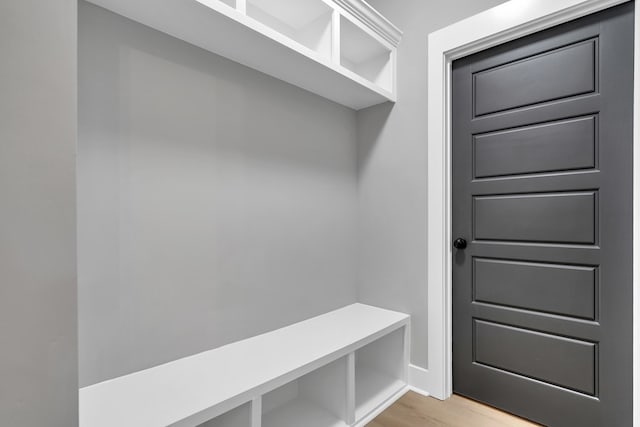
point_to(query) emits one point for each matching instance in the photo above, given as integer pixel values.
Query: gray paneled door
(542, 196)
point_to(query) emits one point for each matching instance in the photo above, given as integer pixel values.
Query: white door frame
(511, 20)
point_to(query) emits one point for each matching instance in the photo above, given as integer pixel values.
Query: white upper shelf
(342, 50)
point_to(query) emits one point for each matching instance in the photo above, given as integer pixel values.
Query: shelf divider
(351, 388)
(241, 6)
(256, 411)
(335, 37)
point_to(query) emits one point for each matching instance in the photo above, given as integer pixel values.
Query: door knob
(459, 243)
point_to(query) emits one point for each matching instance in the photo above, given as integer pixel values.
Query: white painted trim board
(501, 24)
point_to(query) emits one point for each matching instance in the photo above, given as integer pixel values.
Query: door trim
(506, 22)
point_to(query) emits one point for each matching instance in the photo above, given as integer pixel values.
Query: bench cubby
(317, 399)
(237, 417)
(379, 372)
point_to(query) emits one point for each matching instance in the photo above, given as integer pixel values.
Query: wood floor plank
(415, 410)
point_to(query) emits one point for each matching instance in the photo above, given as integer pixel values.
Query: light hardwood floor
(414, 410)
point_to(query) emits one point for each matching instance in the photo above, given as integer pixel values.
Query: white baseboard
(419, 391)
(419, 380)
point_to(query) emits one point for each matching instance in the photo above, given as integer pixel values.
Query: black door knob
(459, 243)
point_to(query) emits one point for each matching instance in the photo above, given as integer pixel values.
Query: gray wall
(392, 165)
(215, 202)
(38, 345)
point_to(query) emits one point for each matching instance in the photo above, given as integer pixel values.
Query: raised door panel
(561, 73)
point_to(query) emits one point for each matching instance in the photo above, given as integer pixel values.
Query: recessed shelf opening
(365, 56)
(317, 399)
(230, 3)
(238, 417)
(379, 370)
(307, 22)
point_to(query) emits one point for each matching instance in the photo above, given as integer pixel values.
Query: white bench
(338, 369)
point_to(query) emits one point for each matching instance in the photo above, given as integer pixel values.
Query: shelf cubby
(237, 417)
(317, 399)
(365, 55)
(230, 3)
(308, 22)
(379, 372)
